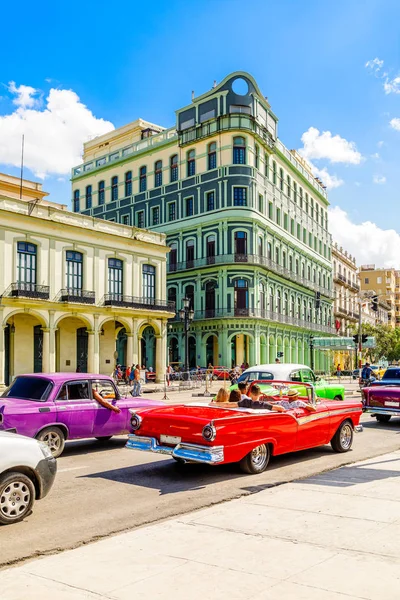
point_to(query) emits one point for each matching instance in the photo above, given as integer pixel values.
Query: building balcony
(251, 259)
(76, 295)
(20, 289)
(268, 315)
(340, 310)
(120, 300)
(353, 286)
(353, 316)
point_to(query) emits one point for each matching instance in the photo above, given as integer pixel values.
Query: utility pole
(312, 352)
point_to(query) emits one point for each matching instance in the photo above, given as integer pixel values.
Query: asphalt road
(102, 488)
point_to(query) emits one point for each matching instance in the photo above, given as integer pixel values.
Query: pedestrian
(136, 382)
(169, 372)
(277, 360)
(338, 370)
(127, 374)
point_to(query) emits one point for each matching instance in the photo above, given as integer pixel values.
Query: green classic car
(292, 372)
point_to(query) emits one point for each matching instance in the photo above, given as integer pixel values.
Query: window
(274, 172)
(310, 238)
(105, 388)
(173, 257)
(277, 256)
(301, 197)
(367, 280)
(266, 165)
(171, 211)
(379, 280)
(270, 210)
(289, 188)
(312, 208)
(257, 157)
(155, 215)
(88, 196)
(26, 263)
(101, 192)
(240, 196)
(73, 276)
(294, 192)
(210, 248)
(189, 206)
(115, 275)
(173, 168)
(290, 262)
(212, 156)
(239, 151)
(269, 250)
(140, 219)
(76, 201)
(158, 173)
(285, 221)
(298, 231)
(284, 259)
(306, 203)
(190, 254)
(241, 243)
(128, 183)
(143, 179)
(191, 163)
(149, 282)
(126, 220)
(260, 203)
(260, 247)
(114, 188)
(304, 235)
(210, 201)
(281, 179)
(278, 216)
(292, 226)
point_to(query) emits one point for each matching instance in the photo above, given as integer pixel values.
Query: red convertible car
(219, 434)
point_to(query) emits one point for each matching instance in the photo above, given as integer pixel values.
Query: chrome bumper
(358, 429)
(209, 455)
(382, 411)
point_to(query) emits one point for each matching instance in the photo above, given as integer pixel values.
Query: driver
(99, 398)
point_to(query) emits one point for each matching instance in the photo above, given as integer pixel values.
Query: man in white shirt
(293, 402)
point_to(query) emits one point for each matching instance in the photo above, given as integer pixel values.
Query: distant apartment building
(382, 282)
(346, 288)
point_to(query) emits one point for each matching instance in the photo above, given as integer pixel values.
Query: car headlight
(209, 432)
(45, 450)
(136, 421)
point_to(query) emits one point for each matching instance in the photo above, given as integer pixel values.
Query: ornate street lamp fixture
(186, 315)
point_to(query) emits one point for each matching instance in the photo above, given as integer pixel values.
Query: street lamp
(312, 352)
(186, 315)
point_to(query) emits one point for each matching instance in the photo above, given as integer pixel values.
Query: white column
(90, 362)
(161, 360)
(96, 345)
(46, 350)
(129, 349)
(2, 357)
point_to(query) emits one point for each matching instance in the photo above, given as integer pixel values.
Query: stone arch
(149, 323)
(286, 350)
(34, 313)
(88, 323)
(272, 349)
(293, 354)
(263, 349)
(124, 323)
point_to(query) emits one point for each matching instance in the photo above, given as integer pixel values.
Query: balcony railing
(268, 315)
(76, 295)
(253, 259)
(20, 289)
(353, 285)
(137, 302)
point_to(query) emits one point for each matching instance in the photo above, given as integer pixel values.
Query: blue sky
(128, 59)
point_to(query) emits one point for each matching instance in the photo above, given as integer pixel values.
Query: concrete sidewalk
(334, 536)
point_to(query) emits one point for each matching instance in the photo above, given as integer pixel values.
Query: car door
(75, 408)
(308, 376)
(106, 421)
(313, 427)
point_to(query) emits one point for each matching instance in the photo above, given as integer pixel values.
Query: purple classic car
(59, 406)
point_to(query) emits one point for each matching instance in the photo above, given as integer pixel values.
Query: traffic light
(374, 303)
(355, 338)
(318, 300)
(364, 338)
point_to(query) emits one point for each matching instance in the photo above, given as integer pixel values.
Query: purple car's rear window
(36, 389)
(391, 374)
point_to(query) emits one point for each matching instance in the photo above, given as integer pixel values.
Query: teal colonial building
(245, 219)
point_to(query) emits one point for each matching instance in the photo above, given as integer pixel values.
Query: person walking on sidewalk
(338, 371)
(137, 388)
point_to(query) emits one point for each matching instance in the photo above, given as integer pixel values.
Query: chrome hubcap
(259, 456)
(345, 436)
(14, 499)
(53, 441)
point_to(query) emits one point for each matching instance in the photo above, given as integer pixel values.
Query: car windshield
(36, 389)
(392, 374)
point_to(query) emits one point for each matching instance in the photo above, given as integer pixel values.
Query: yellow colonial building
(76, 293)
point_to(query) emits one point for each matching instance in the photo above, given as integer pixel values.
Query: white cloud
(376, 155)
(24, 95)
(374, 65)
(380, 143)
(366, 241)
(330, 181)
(379, 179)
(331, 147)
(54, 133)
(357, 183)
(395, 123)
(392, 86)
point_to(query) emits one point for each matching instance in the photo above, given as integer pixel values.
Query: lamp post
(312, 352)
(186, 315)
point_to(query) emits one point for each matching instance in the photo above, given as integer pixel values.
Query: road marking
(71, 469)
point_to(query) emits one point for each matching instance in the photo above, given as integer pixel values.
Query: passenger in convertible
(221, 397)
(294, 402)
(242, 389)
(255, 402)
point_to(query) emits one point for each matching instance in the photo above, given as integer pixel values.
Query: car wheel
(17, 495)
(54, 438)
(179, 460)
(104, 438)
(338, 397)
(383, 418)
(257, 460)
(343, 438)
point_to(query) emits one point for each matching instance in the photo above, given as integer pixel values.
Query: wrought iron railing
(21, 289)
(268, 315)
(76, 295)
(137, 302)
(254, 259)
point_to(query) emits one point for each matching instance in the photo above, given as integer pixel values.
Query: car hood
(7, 437)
